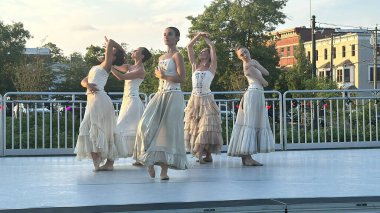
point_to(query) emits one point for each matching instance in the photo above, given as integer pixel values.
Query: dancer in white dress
(203, 131)
(251, 133)
(160, 131)
(98, 128)
(132, 107)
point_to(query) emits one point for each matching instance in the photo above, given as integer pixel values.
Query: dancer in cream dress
(251, 133)
(132, 107)
(160, 131)
(203, 131)
(97, 130)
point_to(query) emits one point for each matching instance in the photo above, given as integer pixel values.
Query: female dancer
(132, 107)
(97, 129)
(251, 133)
(202, 122)
(160, 131)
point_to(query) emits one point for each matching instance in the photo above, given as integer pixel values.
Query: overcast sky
(76, 24)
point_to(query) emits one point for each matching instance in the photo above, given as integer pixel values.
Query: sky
(74, 25)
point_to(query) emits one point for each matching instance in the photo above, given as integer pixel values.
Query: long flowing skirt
(251, 133)
(160, 136)
(203, 131)
(130, 114)
(98, 128)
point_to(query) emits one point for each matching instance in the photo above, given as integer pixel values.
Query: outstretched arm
(139, 73)
(214, 63)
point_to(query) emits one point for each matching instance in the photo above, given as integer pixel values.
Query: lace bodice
(98, 76)
(201, 82)
(169, 67)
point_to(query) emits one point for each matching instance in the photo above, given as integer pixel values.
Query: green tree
(13, 38)
(92, 54)
(56, 53)
(240, 22)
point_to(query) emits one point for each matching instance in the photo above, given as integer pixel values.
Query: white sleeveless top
(98, 76)
(169, 68)
(131, 87)
(201, 82)
(253, 82)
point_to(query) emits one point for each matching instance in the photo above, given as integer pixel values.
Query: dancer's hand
(159, 73)
(208, 41)
(265, 83)
(105, 38)
(92, 87)
(204, 34)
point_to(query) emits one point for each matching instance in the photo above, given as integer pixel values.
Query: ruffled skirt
(130, 114)
(203, 131)
(98, 128)
(160, 133)
(251, 133)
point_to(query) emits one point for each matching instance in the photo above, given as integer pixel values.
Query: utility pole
(313, 48)
(375, 59)
(332, 57)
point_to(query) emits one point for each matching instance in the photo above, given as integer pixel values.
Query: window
(326, 54)
(343, 51)
(328, 73)
(288, 51)
(339, 75)
(308, 55)
(347, 75)
(371, 73)
(353, 50)
(282, 52)
(334, 52)
(321, 74)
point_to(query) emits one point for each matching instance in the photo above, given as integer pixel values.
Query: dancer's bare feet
(96, 161)
(108, 166)
(248, 161)
(164, 172)
(137, 164)
(151, 171)
(208, 158)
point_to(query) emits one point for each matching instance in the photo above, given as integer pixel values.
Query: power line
(342, 25)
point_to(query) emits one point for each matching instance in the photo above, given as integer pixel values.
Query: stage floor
(40, 184)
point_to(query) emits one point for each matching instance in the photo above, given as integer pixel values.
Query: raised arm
(190, 51)
(139, 73)
(108, 56)
(259, 67)
(214, 63)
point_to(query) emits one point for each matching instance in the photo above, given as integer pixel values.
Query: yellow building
(352, 60)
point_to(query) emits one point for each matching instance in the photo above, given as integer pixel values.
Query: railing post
(284, 114)
(2, 127)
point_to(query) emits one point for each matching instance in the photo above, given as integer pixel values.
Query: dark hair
(119, 58)
(146, 53)
(176, 31)
(239, 47)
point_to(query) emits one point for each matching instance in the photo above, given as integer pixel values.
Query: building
(352, 59)
(287, 41)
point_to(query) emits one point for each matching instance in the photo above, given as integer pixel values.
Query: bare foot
(137, 164)
(164, 172)
(248, 161)
(106, 167)
(151, 171)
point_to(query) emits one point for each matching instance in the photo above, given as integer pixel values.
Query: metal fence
(46, 123)
(331, 119)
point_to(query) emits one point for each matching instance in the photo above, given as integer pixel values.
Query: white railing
(39, 123)
(331, 119)
(46, 123)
